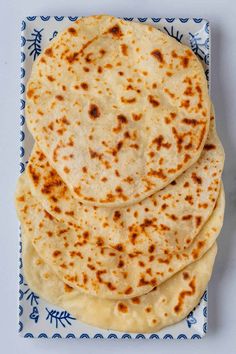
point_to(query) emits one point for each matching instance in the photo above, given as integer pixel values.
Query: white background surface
(221, 337)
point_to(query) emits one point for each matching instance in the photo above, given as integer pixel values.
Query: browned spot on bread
(86, 69)
(120, 264)
(187, 217)
(209, 147)
(67, 288)
(186, 275)
(171, 94)
(50, 78)
(128, 180)
(56, 253)
(151, 248)
(104, 179)
(57, 210)
(122, 307)
(70, 213)
(124, 49)
(84, 169)
(49, 233)
(189, 199)
(189, 91)
(184, 61)
(116, 31)
(129, 290)
(198, 220)
(196, 179)
(99, 70)
(179, 139)
(122, 119)
(159, 173)
(151, 154)
(49, 52)
(117, 215)
(94, 111)
(35, 176)
(157, 54)
(202, 134)
(59, 97)
(159, 141)
(128, 100)
(108, 66)
(135, 300)
(84, 86)
(95, 154)
(192, 122)
(30, 93)
(196, 251)
(72, 31)
(153, 101)
(21, 198)
(42, 60)
(186, 184)
(174, 54)
(148, 309)
(185, 103)
(136, 117)
(184, 293)
(72, 57)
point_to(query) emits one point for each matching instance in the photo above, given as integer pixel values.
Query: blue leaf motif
(55, 33)
(20, 310)
(174, 34)
(35, 41)
(191, 319)
(60, 318)
(34, 314)
(197, 45)
(32, 297)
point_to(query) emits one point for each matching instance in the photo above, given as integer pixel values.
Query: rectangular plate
(37, 318)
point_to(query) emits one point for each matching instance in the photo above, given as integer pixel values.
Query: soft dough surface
(167, 304)
(120, 109)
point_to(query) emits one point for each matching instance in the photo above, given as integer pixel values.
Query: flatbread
(169, 303)
(170, 218)
(102, 271)
(119, 108)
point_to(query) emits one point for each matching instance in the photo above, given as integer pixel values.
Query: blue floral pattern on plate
(37, 318)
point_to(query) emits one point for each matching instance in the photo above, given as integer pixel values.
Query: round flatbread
(167, 304)
(120, 109)
(99, 270)
(171, 218)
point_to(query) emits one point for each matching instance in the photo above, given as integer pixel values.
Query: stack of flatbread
(121, 201)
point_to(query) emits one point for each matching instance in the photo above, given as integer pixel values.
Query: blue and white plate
(37, 318)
